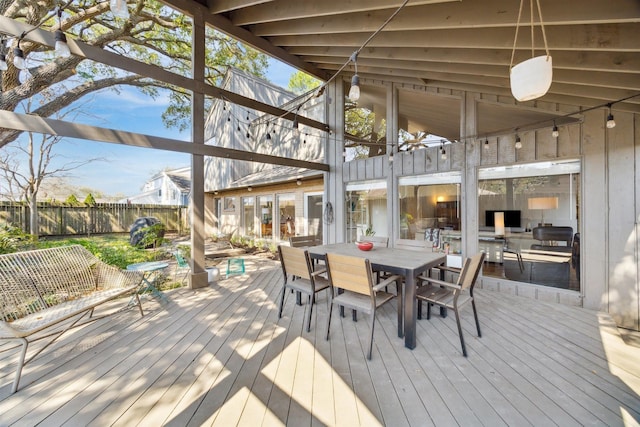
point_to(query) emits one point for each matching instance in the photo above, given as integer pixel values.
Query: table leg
(410, 312)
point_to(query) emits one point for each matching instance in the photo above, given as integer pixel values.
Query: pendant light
(555, 133)
(531, 79)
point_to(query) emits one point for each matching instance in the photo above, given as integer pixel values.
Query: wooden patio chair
(304, 241)
(296, 262)
(454, 295)
(353, 275)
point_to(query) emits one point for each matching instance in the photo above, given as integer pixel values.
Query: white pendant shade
(531, 79)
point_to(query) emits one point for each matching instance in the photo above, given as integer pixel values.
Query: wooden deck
(220, 356)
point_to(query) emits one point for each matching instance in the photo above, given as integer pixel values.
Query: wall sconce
(518, 142)
(543, 203)
(249, 188)
(298, 182)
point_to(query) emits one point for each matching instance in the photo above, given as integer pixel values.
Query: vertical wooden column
(198, 277)
(393, 201)
(468, 127)
(335, 230)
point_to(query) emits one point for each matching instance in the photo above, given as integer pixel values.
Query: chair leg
(310, 311)
(23, 353)
(373, 323)
(284, 290)
(464, 349)
(429, 310)
(354, 315)
(475, 315)
(329, 319)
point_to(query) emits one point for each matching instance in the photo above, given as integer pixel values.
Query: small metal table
(148, 279)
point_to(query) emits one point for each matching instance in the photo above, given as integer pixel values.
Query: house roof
(449, 47)
(277, 175)
(183, 182)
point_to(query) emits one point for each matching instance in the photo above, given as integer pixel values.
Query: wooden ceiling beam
(30, 123)
(220, 6)
(280, 10)
(414, 68)
(623, 62)
(221, 23)
(467, 14)
(599, 37)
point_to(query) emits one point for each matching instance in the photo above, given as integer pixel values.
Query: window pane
(366, 210)
(249, 215)
(529, 223)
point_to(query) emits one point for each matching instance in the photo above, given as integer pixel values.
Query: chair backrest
(295, 262)
(432, 235)
(304, 241)
(412, 245)
(182, 262)
(350, 273)
(554, 234)
(471, 270)
(376, 240)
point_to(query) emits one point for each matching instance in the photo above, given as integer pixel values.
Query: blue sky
(126, 169)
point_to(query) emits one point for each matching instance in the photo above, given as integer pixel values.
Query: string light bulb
(119, 8)
(518, 142)
(354, 92)
(611, 123)
(61, 47)
(554, 132)
(18, 58)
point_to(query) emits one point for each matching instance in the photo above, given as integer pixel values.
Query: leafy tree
(26, 165)
(90, 200)
(72, 200)
(301, 82)
(154, 34)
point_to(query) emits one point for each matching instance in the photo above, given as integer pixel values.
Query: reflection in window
(248, 216)
(287, 215)
(366, 210)
(265, 206)
(529, 223)
(429, 205)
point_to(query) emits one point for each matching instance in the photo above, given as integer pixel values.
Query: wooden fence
(57, 220)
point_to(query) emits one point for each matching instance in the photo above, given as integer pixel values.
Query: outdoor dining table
(406, 263)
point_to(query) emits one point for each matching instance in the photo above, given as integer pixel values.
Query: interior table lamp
(543, 203)
(498, 222)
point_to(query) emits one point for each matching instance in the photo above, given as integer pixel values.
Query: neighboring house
(255, 199)
(170, 187)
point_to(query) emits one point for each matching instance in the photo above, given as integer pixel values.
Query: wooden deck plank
(168, 387)
(571, 379)
(221, 356)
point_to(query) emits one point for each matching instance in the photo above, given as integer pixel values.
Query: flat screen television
(511, 218)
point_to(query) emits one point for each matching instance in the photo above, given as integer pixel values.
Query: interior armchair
(555, 239)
